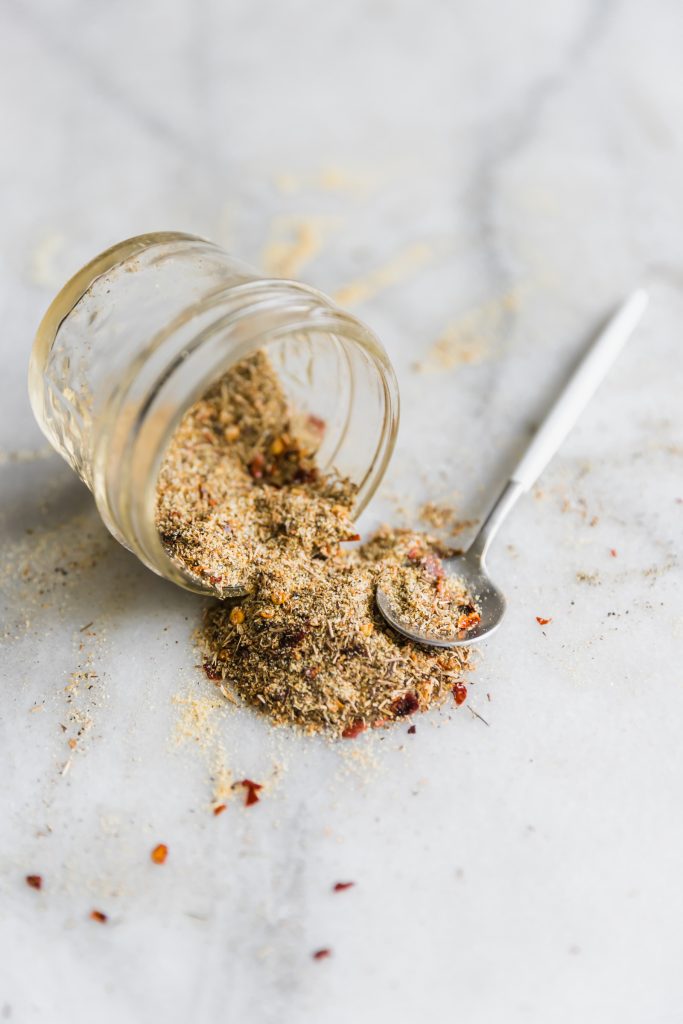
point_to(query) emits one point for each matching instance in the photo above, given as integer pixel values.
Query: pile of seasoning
(239, 488)
(242, 505)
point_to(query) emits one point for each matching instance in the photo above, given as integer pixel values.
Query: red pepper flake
(352, 536)
(342, 886)
(215, 579)
(212, 672)
(315, 421)
(460, 693)
(542, 622)
(35, 881)
(98, 915)
(412, 730)
(353, 730)
(322, 954)
(414, 555)
(252, 789)
(405, 705)
(468, 619)
(256, 466)
(219, 809)
(306, 476)
(613, 552)
(159, 853)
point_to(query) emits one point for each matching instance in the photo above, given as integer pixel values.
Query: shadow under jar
(138, 335)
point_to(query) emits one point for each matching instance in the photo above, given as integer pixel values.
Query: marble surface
(482, 181)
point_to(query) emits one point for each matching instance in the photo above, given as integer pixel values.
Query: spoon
(563, 414)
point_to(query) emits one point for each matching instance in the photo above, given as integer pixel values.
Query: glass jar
(141, 332)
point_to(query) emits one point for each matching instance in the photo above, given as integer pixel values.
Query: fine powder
(242, 504)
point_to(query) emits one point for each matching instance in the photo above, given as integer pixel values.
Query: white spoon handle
(564, 413)
(579, 389)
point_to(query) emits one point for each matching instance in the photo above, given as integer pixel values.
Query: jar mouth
(350, 379)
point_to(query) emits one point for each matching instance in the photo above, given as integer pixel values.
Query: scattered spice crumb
(35, 881)
(613, 552)
(252, 788)
(477, 715)
(460, 693)
(322, 954)
(219, 809)
(401, 266)
(353, 730)
(294, 242)
(159, 853)
(542, 622)
(407, 704)
(342, 886)
(436, 515)
(412, 730)
(443, 517)
(98, 915)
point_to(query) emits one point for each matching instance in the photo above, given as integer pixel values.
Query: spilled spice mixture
(310, 648)
(239, 487)
(241, 504)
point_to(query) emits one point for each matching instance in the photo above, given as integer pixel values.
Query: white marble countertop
(494, 176)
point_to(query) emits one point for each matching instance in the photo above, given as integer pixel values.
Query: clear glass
(142, 331)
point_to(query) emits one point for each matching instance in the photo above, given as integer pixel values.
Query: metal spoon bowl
(471, 567)
(489, 599)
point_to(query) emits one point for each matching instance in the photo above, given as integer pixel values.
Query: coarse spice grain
(242, 505)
